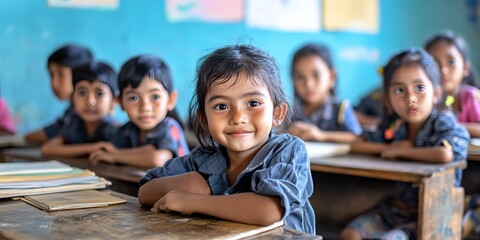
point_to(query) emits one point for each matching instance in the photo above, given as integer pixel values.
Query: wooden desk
(440, 203)
(19, 220)
(124, 178)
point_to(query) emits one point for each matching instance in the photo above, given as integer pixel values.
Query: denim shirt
(56, 128)
(440, 129)
(76, 133)
(326, 117)
(281, 168)
(168, 134)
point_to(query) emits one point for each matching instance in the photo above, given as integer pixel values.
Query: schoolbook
(326, 149)
(33, 167)
(28, 177)
(72, 200)
(98, 184)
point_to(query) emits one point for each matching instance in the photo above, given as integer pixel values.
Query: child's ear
(279, 114)
(333, 78)
(118, 100)
(202, 120)
(466, 69)
(172, 100)
(437, 94)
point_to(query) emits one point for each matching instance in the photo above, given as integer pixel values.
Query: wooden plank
(124, 221)
(352, 163)
(440, 207)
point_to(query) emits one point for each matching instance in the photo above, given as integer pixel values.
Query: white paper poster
(285, 15)
(84, 3)
(204, 10)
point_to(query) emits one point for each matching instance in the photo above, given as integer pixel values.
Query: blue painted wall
(30, 31)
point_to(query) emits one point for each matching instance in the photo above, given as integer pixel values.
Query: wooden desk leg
(440, 207)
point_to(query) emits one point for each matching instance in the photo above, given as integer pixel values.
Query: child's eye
(420, 88)
(398, 90)
(253, 103)
(82, 93)
(220, 107)
(133, 98)
(316, 75)
(100, 93)
(155, 97)
(452, 62)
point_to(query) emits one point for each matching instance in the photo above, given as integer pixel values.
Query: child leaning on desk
(154, 133)
(319, 116)
(245, 170)
(60, 66)
(95, 87)
(411, 82)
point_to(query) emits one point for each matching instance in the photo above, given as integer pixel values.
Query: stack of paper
(31, 178)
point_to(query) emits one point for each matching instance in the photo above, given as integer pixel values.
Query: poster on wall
(111, 4)
(204, 10)
(284, 15)
(351, 15)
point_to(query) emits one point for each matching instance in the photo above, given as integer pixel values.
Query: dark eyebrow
(149, 90)
(249, 94)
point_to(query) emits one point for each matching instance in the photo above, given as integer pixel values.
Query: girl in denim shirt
(412, 85)
(244, 170)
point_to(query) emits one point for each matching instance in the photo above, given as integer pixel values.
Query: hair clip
(449, 101)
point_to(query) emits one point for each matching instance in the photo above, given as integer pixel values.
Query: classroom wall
(30, 31)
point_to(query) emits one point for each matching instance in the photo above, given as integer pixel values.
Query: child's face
(411, 94)
(148, 104)
(313, 79)
(92, 101)
(240, 116)
(61, 78)
(452, 66)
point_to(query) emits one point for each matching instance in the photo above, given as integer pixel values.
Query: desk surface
(370, 166)
(118, 172)
(19, 220)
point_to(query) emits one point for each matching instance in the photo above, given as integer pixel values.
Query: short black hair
(96, 71)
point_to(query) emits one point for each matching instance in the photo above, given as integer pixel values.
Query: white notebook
(33, 167)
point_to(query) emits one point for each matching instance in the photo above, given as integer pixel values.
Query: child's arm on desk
(310, 132)
(360, 146)
(56, 147)
(144, 156)
(37, 137)
(473, 129)
(155, 189)
(438, 154)
(250, 208)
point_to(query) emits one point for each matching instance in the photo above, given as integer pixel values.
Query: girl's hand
(307, 131)
(108, 147)
(175, 200)
(101, 156)
(390, 153)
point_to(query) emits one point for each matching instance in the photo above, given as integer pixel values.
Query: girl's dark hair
(413, 56)
(138, 68)
(315, 49)
(228, 63)
(462, 46)
(96, 71)
(71, 55)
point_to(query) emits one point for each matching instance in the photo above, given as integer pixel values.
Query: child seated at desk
(60, 66)
(411, 79)
(95, 87)
(244, 170)
(154, 133)
(319, 116)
